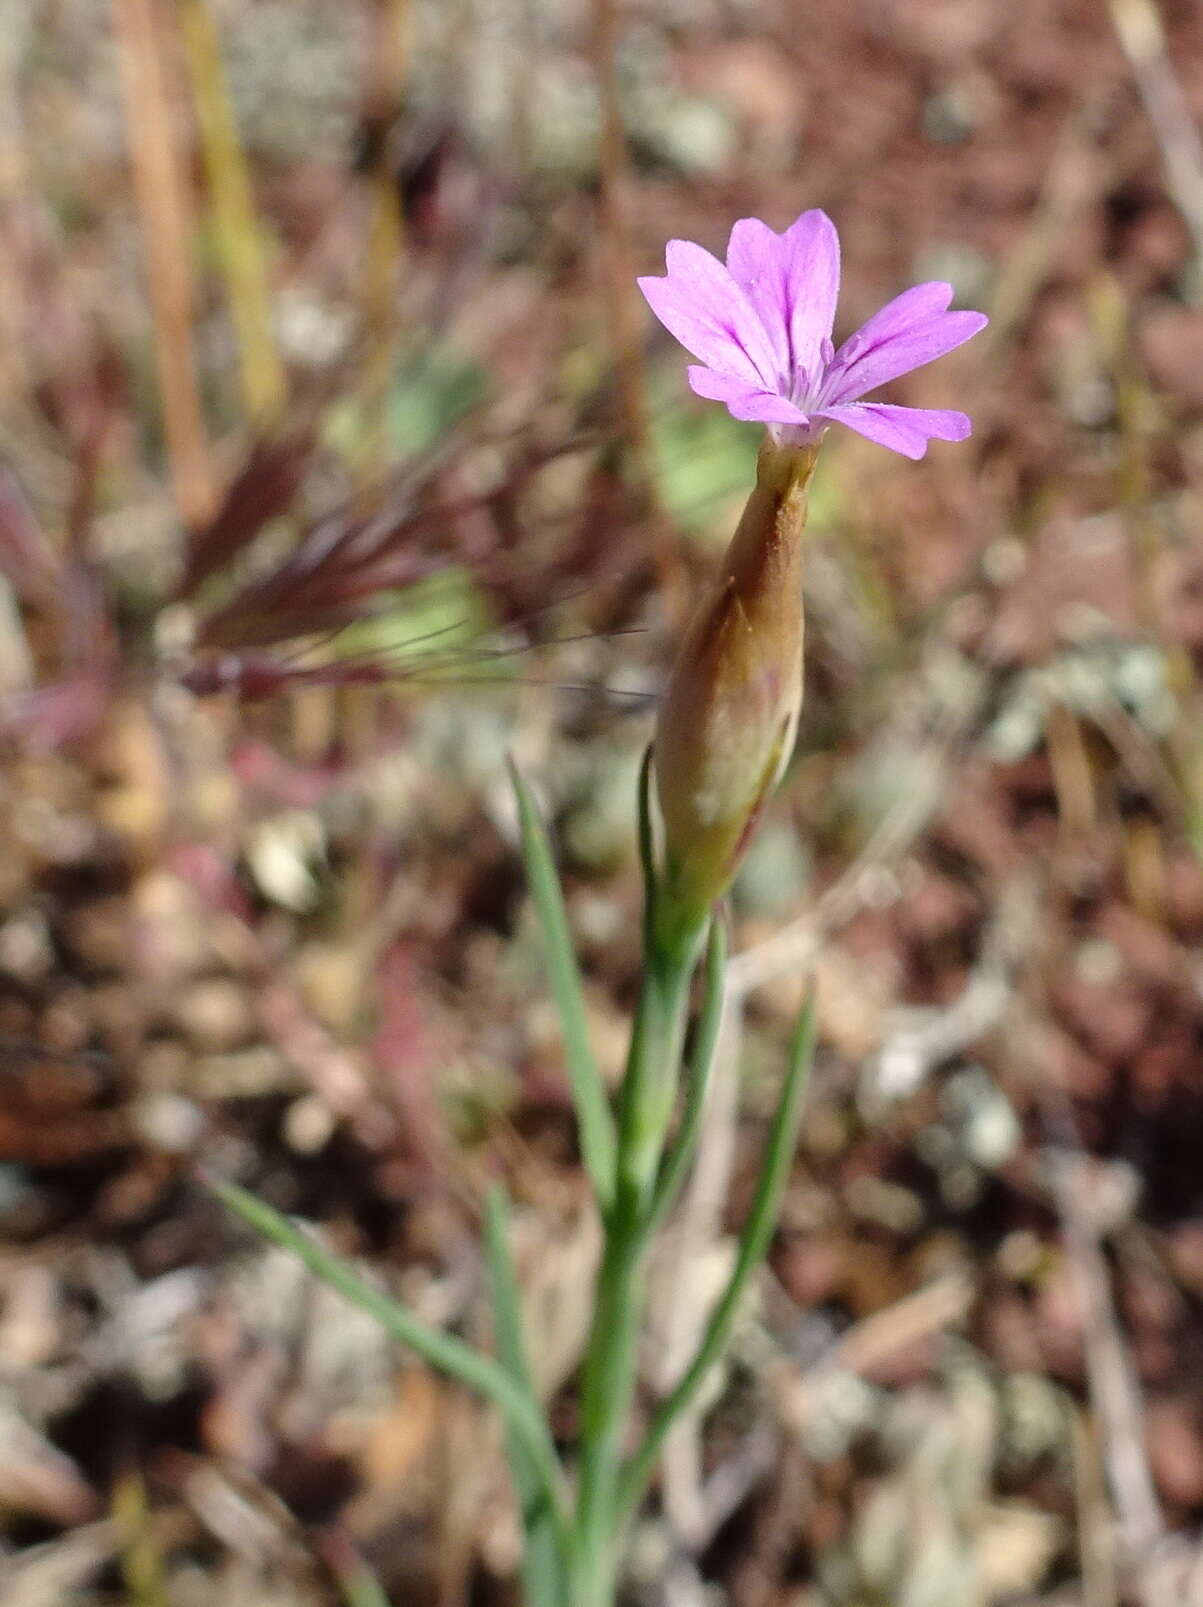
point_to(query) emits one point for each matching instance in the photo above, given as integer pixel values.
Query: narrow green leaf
(361, 1589)
(357, 1583)
(754, 1243)
(542, 1566)
(141, 1553)
(647, 834)
(594, 1117)
(684, 1144)
(443, 1351)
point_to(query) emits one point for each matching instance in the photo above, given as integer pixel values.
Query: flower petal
(744, 401)
(792, 280)
(913, 329)
(700, 303)
(902, 429)
(754, 261)
(813, 249)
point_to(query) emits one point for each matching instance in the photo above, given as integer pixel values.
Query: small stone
(1014, 1548)
(331, 981)
(1036, 1417)
(309, 1125)
(215, 1015)
(989, 1128)
(25, 948)
(1020, 1255)
(170, 929)
(283, 853)
(885, 1204)
(244, 1074)
(169, 1123)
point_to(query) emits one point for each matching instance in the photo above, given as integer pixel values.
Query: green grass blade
(680, 1155)
(357, 1584)
(443, 1351)
(141, 1554)
(594, 1117)
(542, 1566)
(753, 1246)
(647, 832)
(360, 1588)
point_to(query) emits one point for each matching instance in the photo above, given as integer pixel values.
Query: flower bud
(729, 713)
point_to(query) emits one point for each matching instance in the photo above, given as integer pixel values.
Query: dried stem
(386, 230)
(622, 309)
(162, 203)
(1136, 410)
(235, 226)
(1142, 34)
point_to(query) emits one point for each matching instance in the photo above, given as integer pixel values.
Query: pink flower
(761, 327)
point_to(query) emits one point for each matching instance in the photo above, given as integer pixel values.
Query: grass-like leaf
(595, 1120)
(753, 1246)
(357, 1584)
(647, 832)
(443, 1351)
(360, 1588)
(542, 1565)
(684, 1144)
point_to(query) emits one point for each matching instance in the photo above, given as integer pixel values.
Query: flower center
(798, 389)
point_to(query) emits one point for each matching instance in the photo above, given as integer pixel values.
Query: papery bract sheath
(729, 713)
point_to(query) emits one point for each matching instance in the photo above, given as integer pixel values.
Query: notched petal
(700, 303)
(902, 429)
(913, 329)
(744, 401)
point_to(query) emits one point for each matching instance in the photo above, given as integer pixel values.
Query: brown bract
(730, 710)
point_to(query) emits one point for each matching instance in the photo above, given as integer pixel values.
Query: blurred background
(338, 457)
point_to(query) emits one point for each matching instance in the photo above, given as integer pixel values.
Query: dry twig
(159, 185)
(1142, 34)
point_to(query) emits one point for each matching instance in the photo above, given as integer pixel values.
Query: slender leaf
(443, 1351)
(753, 1246)
(681, 1151)
(361, 1588)
(593, 1114)
(141, 1552)
(542, 1566)
(647, 835)
(357, 1584)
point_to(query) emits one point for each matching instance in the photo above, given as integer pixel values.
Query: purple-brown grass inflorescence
(762, 327)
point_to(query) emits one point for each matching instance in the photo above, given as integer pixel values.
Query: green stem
(542, 1565)
(752, 1250)
(648, 1090)
(589, 1096)
(685, 1142)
